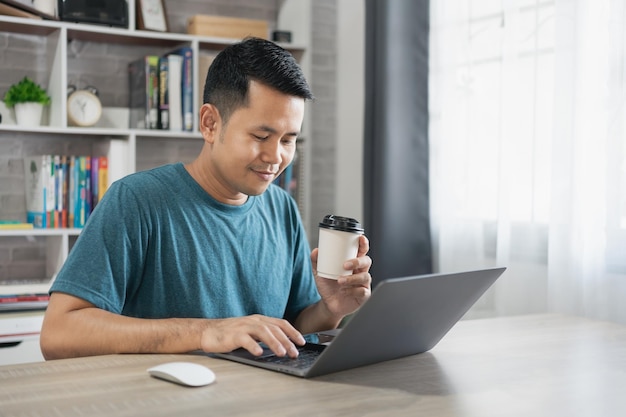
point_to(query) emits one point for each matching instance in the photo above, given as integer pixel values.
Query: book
(80, 215)
(186, 87)
(60, 191)
(94, 177)
(103, 176)
(174, 87)
(143, 92)
(87, 203)
(153, 91)
(39, 189)
(164, 101)
(72, 189)
(204, 63)
(117, 159)
(65, 190)
(51, 190)
(15, 302)
(137, 102)
(14, 225)
(16, 298)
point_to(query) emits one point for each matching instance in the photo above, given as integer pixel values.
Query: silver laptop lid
(404, 316)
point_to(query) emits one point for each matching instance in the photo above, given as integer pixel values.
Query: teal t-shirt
(159, 246)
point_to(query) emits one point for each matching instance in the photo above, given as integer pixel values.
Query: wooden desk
(543, 365)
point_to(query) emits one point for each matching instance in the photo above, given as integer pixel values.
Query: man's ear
(209, 122)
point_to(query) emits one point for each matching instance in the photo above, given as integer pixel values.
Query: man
(208, 255)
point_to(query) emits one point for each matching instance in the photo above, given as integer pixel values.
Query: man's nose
(271, 152)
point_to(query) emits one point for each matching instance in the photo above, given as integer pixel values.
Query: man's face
(257, 143)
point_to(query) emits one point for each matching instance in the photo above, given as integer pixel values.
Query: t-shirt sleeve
(99, 267)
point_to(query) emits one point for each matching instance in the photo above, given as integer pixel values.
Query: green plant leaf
(26, 91)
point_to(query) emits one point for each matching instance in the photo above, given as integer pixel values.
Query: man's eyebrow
(271, 130)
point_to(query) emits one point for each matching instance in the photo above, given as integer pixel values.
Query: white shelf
(98, 131)
(29, 288)
(40, 232)
(95, 33)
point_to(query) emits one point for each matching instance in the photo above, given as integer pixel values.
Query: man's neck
(207, 181)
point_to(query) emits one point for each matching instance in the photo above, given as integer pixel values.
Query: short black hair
(228, 79)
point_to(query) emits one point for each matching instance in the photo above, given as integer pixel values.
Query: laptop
(403, 316)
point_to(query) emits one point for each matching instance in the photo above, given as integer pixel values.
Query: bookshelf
(111, 137)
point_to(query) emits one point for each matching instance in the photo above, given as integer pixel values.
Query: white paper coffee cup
(338, 242)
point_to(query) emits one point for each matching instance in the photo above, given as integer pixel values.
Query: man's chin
(255, 191)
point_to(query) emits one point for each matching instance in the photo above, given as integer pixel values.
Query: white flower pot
(28, 114)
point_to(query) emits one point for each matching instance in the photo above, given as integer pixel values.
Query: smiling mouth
(265, 175)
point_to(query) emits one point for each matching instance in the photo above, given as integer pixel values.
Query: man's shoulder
(157, 172)
(155, 177)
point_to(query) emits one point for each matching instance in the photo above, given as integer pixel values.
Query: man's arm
(73, 327)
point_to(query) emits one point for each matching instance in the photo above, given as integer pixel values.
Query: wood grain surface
(540, 365)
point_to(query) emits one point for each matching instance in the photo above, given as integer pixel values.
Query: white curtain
(528, 156)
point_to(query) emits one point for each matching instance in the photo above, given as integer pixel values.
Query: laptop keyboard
(305, 359)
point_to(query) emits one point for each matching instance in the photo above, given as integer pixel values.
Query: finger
(314, 254)
(279, 336)
(364, 245)
(252, 346)
(358, 286)
(291, 334)
(260, 337)
(360, 264)
(361, 279)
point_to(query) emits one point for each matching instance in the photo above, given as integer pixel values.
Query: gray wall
(324, 113)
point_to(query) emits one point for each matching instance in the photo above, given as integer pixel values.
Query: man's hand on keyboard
(225, 335)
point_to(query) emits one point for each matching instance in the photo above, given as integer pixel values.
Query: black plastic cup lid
(344, 224)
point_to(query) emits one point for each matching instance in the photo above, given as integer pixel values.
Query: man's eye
(260, 137)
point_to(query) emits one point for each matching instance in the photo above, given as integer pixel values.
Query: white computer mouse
(184, 373)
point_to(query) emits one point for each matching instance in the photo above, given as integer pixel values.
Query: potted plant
(28, 99)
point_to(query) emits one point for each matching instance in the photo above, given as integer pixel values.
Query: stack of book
(14, 225)
(161, 91)
(19, 302)
(61, 191)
